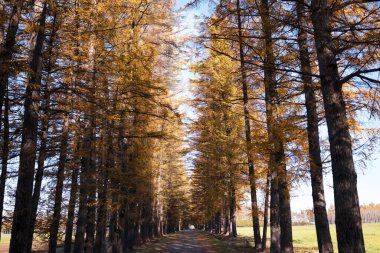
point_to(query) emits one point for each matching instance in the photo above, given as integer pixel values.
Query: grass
(305, 238)
(4, 243)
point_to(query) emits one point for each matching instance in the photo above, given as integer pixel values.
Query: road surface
(189, 241)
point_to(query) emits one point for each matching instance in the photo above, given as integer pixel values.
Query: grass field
(305, 238)
(4, 243)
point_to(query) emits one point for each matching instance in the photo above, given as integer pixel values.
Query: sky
(189, 23)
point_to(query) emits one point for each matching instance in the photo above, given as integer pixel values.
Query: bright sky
(368, 179)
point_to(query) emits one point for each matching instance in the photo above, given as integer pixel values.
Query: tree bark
(83, 196)
(266, 207)
(347, 209)
(232, 225)
(7, 49)
(4, 157)
(281, 229)
(316, 170)
(100, 241)
(248, 141)
(2, 22)
(54, 226)
(22, 213)
(44, 133)
(92, 171)
(71, 210)
(285, 212)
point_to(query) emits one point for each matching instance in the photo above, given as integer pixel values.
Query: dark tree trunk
(91, 211)
(281, 229)
(83, 196)
(275, 230)
(92, 171)
(285, 212)
(114, 188)
(101, 224)
(112, 238)
(43, 141)
(2, 22)
(7, 48)
(71, 210)
(347, 209)
(4, 157)
(101, 242)
(248, 141)
(22, 213)
(316, 170)
(266, 207)
(232, 225)
(40, 169)
(53, 237)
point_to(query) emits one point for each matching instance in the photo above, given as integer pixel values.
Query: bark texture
(252, 179)
(54, 226)
(347, 209)
(315, 161)
(7, 48)
(22, 213)
(281, 229)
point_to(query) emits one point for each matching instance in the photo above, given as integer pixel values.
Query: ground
(305, 240)
(191, 241)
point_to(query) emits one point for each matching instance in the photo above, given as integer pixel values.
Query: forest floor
(192, 241)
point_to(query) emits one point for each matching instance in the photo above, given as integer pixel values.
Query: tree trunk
(232, 227)
(285, 212)
(92, 172)
(281, 229)
(71, 210)
(40, 168)
(112, 238)
(275, 230)
(4, 158)
(2, 23)
(59, 187)
(101, 242)
(7, 49)
(266, 207)
(252, 179)
(347, 209)
(44, 133)
(101, 224)
(316, 170)
(83, 196)
(22, 213)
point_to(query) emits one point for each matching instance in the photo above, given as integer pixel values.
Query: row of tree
(91, 137)
(274, 72)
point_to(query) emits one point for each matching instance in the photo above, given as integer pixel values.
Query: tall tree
(316, 170)
(252, 179)
(22, 210)
(281, 222)
(347, 214)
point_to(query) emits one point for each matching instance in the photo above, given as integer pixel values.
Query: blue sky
(368, 179)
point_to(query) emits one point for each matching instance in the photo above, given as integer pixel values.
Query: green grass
(4, 243)
(305, 238)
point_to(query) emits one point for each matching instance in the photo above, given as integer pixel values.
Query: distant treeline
(370, 213)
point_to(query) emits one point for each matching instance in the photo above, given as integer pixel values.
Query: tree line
(274, 73)
(92, 147)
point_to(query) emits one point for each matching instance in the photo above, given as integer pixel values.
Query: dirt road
(189, 241)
